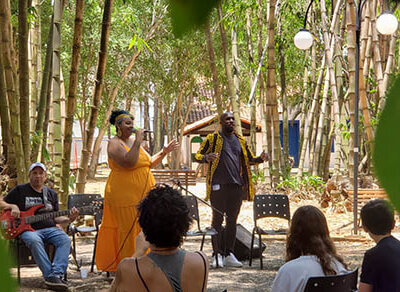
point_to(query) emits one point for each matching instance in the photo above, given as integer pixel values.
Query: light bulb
(387, 23)
(303, 39)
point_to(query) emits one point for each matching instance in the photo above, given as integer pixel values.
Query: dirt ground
(352, 248)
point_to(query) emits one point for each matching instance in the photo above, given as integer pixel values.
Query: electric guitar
(12, 227)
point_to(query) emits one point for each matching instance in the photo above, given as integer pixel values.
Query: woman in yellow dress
(128, 183)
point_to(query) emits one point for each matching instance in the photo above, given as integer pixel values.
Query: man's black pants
(228, 200)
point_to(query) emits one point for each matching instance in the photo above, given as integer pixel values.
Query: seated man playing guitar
(24, 200)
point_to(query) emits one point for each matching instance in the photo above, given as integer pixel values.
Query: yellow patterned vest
(207, 147)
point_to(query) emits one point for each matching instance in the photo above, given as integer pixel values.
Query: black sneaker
(56, 284)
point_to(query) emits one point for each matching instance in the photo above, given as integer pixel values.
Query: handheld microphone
(134, 130)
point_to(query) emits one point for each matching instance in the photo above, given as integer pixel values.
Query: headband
(121, 117)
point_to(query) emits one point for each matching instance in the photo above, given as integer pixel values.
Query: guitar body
(12, 227)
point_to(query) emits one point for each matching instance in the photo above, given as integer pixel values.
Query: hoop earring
(119, 132)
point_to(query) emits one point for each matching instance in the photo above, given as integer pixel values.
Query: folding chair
(191, 202)
(268, 205)
(335, 283)
(82, 200)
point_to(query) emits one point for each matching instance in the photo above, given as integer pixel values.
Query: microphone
(134, 130)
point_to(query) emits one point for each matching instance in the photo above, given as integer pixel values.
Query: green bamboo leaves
(187, 14)
(7, 282)
(387, 146)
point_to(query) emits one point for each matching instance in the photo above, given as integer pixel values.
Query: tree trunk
(388, 69)
(351, 45)
(310, 120)
(228, 71)
(253, 116)
(286, 167)
(8, 149)
(56, 83)
(335, 98)
(377, 56)
(265, 132)
(39, 128)
(73, 86)
(24, 77)
(46, 147)
(105, 33)
(35, 66)
(7, 51)
(213, 67)
(318, 156)
(271, 94)
(305, 99)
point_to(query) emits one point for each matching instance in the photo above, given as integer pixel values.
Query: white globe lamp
(303, 39)
(387, 23)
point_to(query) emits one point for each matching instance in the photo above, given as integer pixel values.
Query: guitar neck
(45, 216)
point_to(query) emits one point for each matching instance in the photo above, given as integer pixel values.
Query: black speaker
(243, 243)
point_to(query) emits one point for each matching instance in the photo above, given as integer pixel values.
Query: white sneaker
(220, 261)
(232, 261)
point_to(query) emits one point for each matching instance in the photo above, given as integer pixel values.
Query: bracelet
(163, 153)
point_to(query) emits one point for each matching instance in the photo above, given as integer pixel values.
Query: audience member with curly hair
(128, 183)
(310, 252)
(164, 218)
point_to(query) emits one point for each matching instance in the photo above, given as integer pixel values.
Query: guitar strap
(47, 205)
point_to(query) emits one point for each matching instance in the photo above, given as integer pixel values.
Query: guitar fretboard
(51, 215)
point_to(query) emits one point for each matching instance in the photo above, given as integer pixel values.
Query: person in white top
(310, 252)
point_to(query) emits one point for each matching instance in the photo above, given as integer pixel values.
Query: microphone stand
(178, 183)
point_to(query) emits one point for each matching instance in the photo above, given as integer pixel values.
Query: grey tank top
(171, 265)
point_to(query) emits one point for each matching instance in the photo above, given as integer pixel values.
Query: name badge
(216, 187)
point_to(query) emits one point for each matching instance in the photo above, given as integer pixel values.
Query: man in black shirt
(228, 183)
(22, 198)
(380, 270)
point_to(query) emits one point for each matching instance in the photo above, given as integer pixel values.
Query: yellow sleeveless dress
(125, 188)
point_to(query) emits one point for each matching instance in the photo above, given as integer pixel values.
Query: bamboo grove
(64, 61)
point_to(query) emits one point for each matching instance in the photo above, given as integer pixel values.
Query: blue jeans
(35, 241)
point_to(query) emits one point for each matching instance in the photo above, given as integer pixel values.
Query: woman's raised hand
(172, 146)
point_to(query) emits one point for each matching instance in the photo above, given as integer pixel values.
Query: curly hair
(116, 113)
(164, 217)
(309, 235)
(378, 217)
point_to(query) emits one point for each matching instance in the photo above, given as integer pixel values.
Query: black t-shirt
(228, 169)
(25, 197)
(381, 266)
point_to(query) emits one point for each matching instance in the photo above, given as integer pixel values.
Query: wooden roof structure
(209, 124)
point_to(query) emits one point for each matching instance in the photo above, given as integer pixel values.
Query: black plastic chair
(83, 200)
(268, 205)
(191, 202)
(23, 255)
(335, 283)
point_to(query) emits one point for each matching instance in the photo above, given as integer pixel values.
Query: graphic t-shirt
(25, 197)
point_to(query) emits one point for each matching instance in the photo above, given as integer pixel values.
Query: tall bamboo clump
(10, 78)
(87, 145)
(73, 85)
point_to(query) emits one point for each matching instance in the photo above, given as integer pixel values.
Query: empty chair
(191, 201)
(268, 205)
(335, 283)
(91, 202)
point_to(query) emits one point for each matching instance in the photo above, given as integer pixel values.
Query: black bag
(243, 243)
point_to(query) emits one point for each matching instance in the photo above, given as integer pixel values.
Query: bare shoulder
(196, 259)
(126, 266)
(195, 272)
